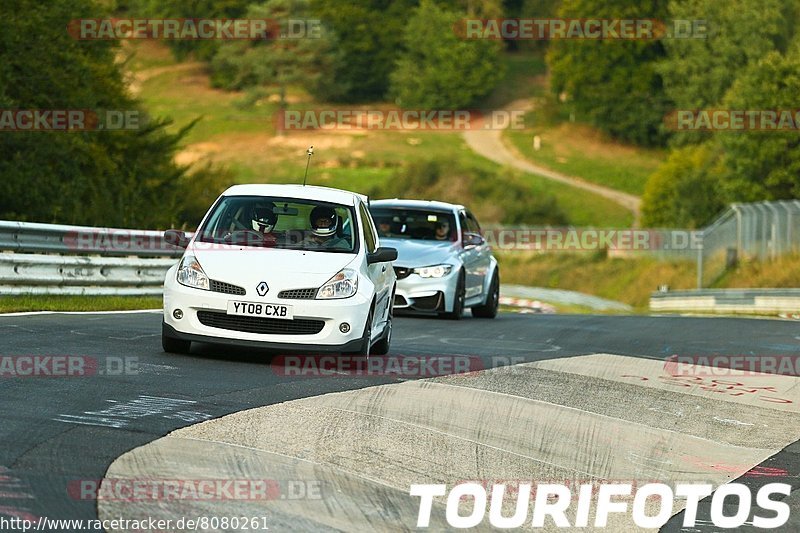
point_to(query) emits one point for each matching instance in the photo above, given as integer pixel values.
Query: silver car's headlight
(435, 271)
(343, 285)
(191, 274)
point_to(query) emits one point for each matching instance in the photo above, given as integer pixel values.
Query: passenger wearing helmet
(324, 223)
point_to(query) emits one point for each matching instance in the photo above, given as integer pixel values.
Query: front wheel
(458, 305)
(489, 308)
(363, 350)
(382, 346)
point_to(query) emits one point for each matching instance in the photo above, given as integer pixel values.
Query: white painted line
(127, 311)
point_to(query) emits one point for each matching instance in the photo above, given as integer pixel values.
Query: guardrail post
(700, 247)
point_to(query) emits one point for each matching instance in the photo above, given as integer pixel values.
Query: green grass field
(581, 151)
(243, 139)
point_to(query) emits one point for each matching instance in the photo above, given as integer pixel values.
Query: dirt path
(489, 144)
(138, 78)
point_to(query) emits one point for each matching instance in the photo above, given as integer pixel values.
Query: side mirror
(176, 238)
(382, 255)
(472, 239)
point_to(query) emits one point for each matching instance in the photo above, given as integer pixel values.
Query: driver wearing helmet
(324, 223)
(263, 220)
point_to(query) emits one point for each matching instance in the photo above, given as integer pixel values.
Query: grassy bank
(581, 151)
(11, 304)
(632, 280)
(240, 136)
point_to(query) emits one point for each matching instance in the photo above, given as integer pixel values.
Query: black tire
(363, 350)
(382, 346)
(489, 309)
(458, 305)
(173, 345)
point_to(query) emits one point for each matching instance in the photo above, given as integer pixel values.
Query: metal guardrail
(752, 301)
(56, 238)
(56, 259)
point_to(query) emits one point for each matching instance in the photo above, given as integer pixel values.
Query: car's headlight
(342, 285)
(191, 274)
(436, 271)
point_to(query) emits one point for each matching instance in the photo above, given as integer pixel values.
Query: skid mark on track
(592, 417)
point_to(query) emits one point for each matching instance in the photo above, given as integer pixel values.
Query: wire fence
(760, 231)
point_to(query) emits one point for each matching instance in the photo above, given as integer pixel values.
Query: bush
(494, 198)
(685, 191)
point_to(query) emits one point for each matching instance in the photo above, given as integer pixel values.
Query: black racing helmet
(264, 218)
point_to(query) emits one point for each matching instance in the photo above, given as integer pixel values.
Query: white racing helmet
(323, 221)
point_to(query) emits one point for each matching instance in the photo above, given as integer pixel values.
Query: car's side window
(472, 224)
(369, 230)
(462, 221)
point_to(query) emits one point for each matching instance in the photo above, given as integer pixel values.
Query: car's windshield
(287, 223)
(421, 224)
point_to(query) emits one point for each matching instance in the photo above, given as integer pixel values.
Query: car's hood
(282, 268)
(416, 253)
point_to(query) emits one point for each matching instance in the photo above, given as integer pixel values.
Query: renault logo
(262, 288)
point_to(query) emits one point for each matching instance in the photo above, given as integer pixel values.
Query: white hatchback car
(283, 267)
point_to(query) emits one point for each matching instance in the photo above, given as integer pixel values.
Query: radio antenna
(309, 153)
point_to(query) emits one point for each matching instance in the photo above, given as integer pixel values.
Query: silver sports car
(444, 265)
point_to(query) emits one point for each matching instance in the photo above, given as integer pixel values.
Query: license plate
(259, 309)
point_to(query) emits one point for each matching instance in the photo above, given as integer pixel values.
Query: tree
(698, 72)
(179, 9)
(685, 191)
(610, 83)
(764, 164)
(90, 177)
(439, 70)
(308, 61)
(369, 35)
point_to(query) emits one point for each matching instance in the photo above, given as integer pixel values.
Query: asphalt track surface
(57, 431)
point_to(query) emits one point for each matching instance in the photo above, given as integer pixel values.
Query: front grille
(227, 288)
(252, 324)
(428, 303)
(402, 272)
(298, 294)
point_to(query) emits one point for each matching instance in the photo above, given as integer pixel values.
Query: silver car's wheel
(458, 304)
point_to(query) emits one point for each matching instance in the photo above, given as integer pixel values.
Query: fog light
(178, 314)
(344, 327)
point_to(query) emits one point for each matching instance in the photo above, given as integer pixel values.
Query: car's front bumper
(415, 293)
(332, 313)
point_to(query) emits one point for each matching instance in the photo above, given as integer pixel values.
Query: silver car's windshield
(272, 222)
(419, 224)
